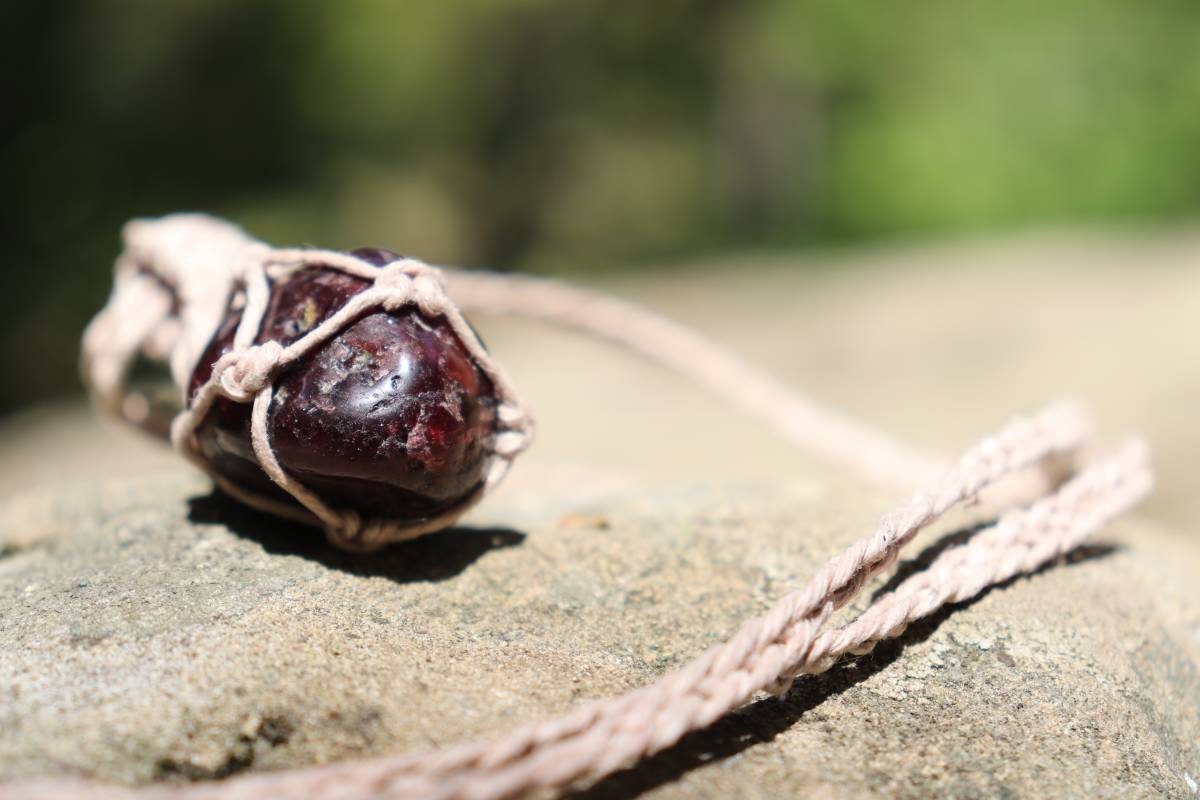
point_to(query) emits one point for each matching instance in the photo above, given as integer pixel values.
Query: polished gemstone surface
(391, 417)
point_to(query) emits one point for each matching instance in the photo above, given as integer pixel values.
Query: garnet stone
(391, 417)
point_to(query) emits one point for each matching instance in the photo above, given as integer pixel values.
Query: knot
(345, 527)
(431, 295)
(396, 284)
(349, 531)
(395, 275)
(411, 281)
(245, 373)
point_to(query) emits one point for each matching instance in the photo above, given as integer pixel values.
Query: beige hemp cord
(768, 652)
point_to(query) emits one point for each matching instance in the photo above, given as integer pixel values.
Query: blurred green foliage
(561, 135)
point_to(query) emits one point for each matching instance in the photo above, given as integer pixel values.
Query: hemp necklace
(347, 391)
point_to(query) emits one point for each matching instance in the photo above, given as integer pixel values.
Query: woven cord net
(163, 267)
(1035, 524)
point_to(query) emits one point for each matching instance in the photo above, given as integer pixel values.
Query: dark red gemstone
(391, 417)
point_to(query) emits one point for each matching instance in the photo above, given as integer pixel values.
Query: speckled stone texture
(152, 632)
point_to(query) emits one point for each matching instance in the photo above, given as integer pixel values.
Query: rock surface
(149, 631)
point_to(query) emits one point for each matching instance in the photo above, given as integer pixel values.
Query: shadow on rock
(434, 557)
(763, 720)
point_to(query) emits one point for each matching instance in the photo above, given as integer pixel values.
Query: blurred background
(573, 136)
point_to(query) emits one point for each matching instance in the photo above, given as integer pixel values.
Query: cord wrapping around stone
(194, 267)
